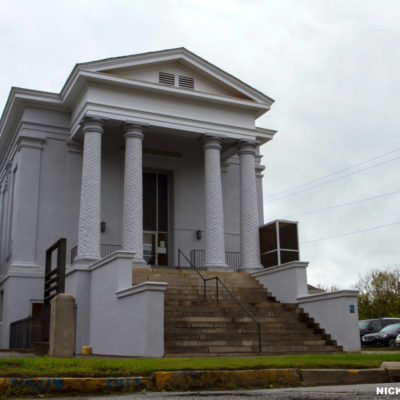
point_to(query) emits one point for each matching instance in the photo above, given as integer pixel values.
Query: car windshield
(363, 324)
(391, 328)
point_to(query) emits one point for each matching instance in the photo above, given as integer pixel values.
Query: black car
(385, 337)
(375, 325)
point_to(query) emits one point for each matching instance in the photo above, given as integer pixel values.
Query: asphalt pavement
(356, 392)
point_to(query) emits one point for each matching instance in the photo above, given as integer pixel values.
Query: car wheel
(392, 343)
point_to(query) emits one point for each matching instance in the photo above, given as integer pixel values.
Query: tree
(379, 294)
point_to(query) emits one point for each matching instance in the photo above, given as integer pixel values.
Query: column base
(250, 268)
(139, 262)
(216, 267)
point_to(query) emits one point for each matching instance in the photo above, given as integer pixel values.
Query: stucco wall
(286, 282)
(138, 312)
(333, 312)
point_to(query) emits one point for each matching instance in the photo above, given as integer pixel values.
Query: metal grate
(166, 78)
(186, 82)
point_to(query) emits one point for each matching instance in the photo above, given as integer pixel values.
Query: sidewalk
(200, 380)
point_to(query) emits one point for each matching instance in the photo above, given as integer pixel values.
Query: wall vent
(186, 82)
(166, 78)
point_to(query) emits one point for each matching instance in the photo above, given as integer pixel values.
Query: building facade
(138, 160)
(146, 154)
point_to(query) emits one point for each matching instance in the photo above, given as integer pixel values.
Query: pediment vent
(166, 78)
(186, 82)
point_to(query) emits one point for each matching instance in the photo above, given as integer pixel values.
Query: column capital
(211, 142)
(133, 129)
(91, 124)
(247, 147)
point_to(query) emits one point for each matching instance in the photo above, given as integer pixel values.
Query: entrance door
(155, 218)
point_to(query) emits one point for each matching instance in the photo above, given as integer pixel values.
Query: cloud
(331, 66)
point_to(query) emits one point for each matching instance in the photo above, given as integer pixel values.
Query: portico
(133, 230)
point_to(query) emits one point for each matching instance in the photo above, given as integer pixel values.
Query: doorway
(155, 218)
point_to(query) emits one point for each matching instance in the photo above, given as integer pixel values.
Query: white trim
(328, 296)
(34, 275)
(23, 264)
(142, 287)
(128, 255)
(279, 268)
(176, 123)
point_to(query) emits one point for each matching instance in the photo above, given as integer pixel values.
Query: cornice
(16, 102)
(166, 121)
(30, 141)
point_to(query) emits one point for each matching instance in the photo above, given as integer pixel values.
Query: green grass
(92, 367)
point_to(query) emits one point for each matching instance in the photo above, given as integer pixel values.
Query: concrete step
(194, 326)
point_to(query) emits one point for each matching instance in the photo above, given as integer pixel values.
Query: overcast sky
(332, 67)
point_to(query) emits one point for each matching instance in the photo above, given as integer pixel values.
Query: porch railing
(105, 250)
(197, 258)
(219, 281)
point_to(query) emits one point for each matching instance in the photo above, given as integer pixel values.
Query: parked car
(375, 325)
(385, 337)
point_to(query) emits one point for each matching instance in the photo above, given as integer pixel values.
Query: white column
(132, 225)
(249, 227)
(89, 212)
(214, 240)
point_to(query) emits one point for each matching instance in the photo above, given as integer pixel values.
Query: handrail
(219, 280)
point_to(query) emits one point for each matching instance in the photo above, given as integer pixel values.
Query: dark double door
(155, 218)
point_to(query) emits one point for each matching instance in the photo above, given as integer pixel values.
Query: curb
(35, 386)
(246, 379)
(200, 380)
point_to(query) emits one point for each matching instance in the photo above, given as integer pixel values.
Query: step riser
(194, 326)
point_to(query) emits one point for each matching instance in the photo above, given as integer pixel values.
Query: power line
(334, 173)
(331, 180)
(343, 205)
(350, 233)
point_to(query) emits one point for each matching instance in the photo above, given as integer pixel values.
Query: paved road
(353, 392)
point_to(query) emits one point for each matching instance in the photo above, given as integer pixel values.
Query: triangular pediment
(176, 73)
(182, 69)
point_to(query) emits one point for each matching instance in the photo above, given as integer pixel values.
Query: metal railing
(25, 332)
(105, 250)
(233, 260)
(197, 257)
(219, 281)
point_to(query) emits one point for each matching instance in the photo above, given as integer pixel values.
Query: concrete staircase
(194, 326)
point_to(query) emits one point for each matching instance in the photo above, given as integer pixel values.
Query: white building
(144, 154)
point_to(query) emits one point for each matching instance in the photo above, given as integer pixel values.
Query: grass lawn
(91, 367)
